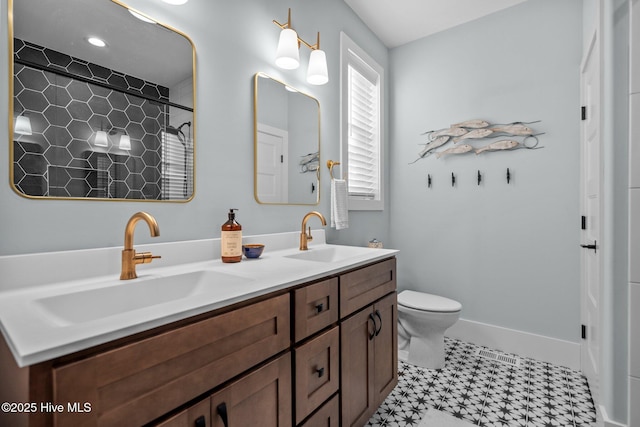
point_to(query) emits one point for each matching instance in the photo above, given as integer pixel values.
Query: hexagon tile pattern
(60, 158)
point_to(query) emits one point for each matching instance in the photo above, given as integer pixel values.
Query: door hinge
(583, 331)
(583, 112)
(583, 223)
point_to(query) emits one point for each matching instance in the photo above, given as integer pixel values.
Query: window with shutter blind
(361, 126)
(177, 164)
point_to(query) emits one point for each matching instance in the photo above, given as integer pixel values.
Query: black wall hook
(479, 177)
(453, 180)
(508, 176)
(428, 180)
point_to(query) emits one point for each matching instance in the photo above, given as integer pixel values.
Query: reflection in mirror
(287, 144)
(101, 122)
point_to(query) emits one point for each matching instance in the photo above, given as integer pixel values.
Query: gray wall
(507, 252)
(234, 40)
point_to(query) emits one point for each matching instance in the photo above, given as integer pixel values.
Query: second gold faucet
(304, 236)
(130, 258)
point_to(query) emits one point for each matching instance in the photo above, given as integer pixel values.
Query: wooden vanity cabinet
(369, 342)
(321, 354)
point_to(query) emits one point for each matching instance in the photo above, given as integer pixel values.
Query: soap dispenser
(231, 239)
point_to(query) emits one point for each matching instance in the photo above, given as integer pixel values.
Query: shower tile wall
(60, 158)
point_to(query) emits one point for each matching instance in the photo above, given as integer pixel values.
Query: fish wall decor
(471, 131)
(459, 149)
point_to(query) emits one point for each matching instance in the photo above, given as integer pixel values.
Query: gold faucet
(304, 236)
(129, 256)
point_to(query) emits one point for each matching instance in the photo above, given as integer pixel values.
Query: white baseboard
(539, 347)
(606, 422)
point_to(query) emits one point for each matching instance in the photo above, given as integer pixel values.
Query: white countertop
(35, 334)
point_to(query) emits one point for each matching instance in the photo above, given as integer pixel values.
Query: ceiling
(402, 21)
(150, 52)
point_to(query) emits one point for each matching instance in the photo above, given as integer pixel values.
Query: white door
(272, 185)
(591, 205)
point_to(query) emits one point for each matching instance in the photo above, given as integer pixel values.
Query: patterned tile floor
(488, 393)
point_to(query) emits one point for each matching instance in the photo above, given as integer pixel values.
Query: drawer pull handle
(375, 326)
(222, 411)
(200, 421)
(320, 308)
(380, 318)
(320, 372)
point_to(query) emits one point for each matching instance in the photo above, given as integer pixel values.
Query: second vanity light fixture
(288, 54)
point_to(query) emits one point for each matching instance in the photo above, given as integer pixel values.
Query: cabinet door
(317, 372)
(199, 415)
(385, 348)
(357, 334)
(260, 398)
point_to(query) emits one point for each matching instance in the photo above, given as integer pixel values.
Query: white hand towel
(339, 208)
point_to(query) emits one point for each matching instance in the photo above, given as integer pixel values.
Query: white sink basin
(330, 253)
(125, 296)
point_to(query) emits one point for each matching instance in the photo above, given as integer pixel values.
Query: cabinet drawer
(327, 416)
(317, 372)
(260, 398)
(316, 307)
(360, 288)
(142, 381)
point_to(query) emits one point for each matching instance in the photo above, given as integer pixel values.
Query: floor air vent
(498, 357)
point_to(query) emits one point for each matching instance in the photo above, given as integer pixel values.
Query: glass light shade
(288, 54)
(175, 1)
(23, 126)
(125, 142)
(317, 73)
(101, 139)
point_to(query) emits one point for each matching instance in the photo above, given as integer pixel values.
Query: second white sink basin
(124, 296)
(330, 253)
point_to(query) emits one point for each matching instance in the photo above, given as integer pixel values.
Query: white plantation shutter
(177, 179)
(361, 126)
(363, 136)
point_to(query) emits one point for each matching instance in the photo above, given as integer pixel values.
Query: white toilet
(423, 318)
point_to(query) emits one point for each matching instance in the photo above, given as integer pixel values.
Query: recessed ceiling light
(96, 41)
(175, 1)
(142, 17)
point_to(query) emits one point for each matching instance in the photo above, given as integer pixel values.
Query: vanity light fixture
(125, 142)
(23, 125)
(101, 139)
(176, 2)
(288, 57)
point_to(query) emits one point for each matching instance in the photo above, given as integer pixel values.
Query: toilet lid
(427, 302)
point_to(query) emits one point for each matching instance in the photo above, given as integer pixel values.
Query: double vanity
(294, 338)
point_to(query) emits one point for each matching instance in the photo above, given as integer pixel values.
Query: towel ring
(330, 165)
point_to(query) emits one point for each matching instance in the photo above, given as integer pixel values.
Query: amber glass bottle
(231, 239)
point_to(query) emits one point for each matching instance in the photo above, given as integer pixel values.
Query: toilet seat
(428, 302)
